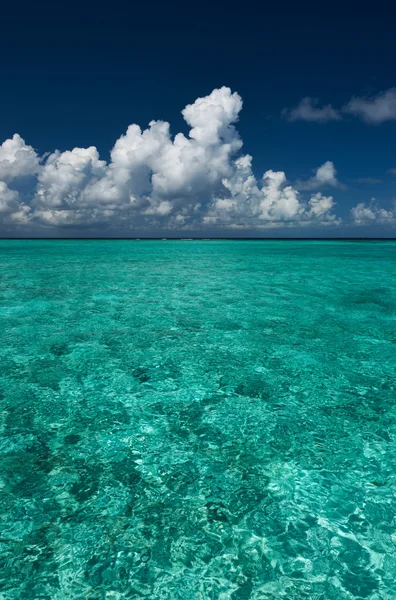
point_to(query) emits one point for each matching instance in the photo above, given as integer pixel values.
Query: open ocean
(204, 420)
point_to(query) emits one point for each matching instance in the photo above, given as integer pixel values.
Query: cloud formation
(270, 202)
(307, 110)
(373, 110)
(156, 181)
(366, 214)
(325, 176)
(17, 159)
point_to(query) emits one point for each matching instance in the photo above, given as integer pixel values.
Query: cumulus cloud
(156, 180)
(9, 199)
(307, 110)
(64, 178)
(268, 203)
(325, 176)
(375, 109)
(12, 210)
(321, 206)
(17, 159)
(366, 214)
(151, 175)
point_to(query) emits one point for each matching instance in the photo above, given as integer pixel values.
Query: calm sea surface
(197, 420)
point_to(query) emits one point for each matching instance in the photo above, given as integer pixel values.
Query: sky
(207, 119)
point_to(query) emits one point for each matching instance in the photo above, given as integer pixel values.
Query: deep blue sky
(79, 74)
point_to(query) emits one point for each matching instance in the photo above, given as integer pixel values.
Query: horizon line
(192, 239)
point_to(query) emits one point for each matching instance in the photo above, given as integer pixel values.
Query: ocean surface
(197, 420)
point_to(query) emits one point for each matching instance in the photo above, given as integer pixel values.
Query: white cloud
(9, 199)
(150, 162)
(376, 109)
(371, 109)
(325, 176)
(307, 110)
(269, 203)
(12, 210)
(150, 174)
(321, 205)
(17, 159)
(366, 214)
(63, 180)
(158, 180)
(279, 201)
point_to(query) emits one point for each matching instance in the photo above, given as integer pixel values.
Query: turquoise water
(197, 420)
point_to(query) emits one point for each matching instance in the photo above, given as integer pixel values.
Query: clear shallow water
(197, 420)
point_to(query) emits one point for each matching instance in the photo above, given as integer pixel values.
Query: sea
(197, 419)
